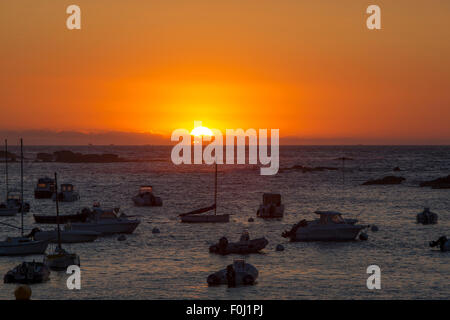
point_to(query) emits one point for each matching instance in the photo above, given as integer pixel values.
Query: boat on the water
(60, 259)
(67, 236)
(45, 188)
(146, 198)
(331, 226)
(105, 221)
(13, 203)
(443, 243)
(28, 273)
(196, 216)
(67, 193)
(427, 217)
(271, 206)
(21, 245)
(51, 219)
(238, 273)
(243, 246)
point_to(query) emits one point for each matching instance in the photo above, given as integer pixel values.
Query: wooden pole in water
(21, 185)
(215, 191)
(57, 211)
(6, 167)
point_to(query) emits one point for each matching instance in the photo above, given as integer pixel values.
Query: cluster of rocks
(384, 181)
(439, 183)
(8, 155)
(72, 157)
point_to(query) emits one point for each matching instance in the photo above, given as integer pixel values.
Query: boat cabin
(45, 182)
(330, 217)
(145, 189)
(66, 187)
(272, 198)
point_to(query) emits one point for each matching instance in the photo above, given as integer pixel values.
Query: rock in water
(385, 180)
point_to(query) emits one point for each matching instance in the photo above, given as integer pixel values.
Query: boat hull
(67, 236)
(21, 249)
(63, 219)
(43, 194)
(344, 233)
(61, 261)
(8, 212)
(206, 218)
(106, 228)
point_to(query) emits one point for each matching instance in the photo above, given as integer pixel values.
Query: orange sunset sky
(309, 68)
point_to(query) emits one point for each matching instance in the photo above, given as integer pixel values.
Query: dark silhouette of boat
(52, 219)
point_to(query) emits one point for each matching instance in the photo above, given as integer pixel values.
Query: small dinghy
(271, 206)
(238, 273)
(67, 193)
(442, 242)
(146, 198)
(28, 272)
(243, 246)
(427, 217)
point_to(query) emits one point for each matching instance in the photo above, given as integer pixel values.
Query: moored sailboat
(196, 217)
(21, 245)
(60, 259)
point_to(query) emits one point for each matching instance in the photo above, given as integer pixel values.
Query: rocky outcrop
(385, 181)
(439, 183)
(305, 169)
(72, 157)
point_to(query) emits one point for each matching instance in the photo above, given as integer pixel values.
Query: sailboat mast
(215, 191)
(57, 211)
(21, 185)
(6, 167)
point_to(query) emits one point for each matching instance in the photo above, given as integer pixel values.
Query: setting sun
(201, 131)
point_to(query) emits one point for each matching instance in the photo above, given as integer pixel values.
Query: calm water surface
(175, 263)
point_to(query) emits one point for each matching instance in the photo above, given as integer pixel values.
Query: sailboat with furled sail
(21, 245)
(196, 216)
(60, 259)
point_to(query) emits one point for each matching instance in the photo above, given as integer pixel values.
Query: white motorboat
(146, 198)
(329, 227)
(105, 222)
(67, 236)
(271, 206)
(67, 193)
(238, 273)
(195, 217)
(21, 245)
